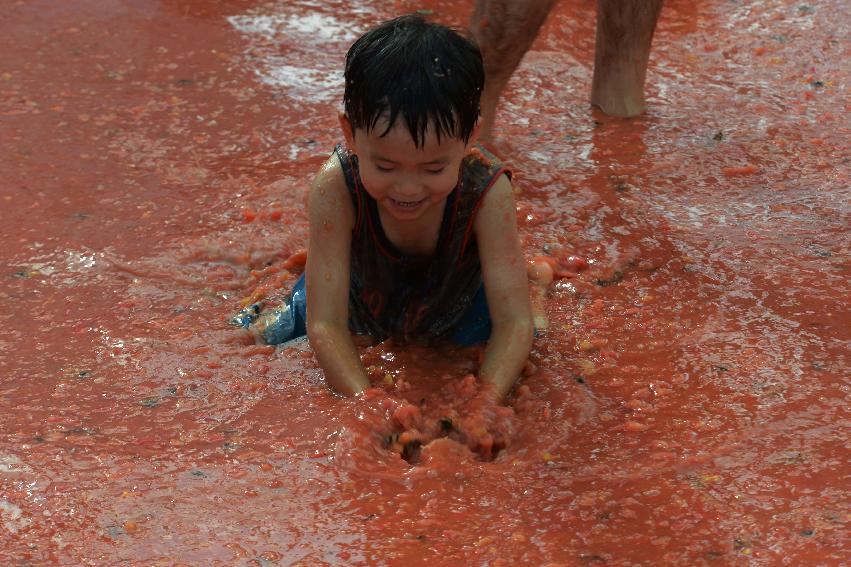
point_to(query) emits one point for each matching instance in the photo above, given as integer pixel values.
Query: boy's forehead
(382, 130)
(382, 124)
(398, 142)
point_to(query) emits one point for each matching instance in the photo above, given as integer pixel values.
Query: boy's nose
(408, 185)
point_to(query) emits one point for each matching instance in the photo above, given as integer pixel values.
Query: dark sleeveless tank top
(416, 299)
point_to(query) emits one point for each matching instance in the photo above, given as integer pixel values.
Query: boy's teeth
(406, 203)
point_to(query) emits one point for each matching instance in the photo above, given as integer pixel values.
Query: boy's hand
(476, 418)
(487, 430)
(488, 395)
(484, 424)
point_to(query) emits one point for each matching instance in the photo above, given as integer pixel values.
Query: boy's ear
(348, 131)
(474, 135)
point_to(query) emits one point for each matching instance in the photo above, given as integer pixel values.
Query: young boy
(412, 227)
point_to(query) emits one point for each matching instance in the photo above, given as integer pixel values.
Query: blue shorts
(289, 322)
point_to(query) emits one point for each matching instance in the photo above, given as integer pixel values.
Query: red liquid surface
(690, 403)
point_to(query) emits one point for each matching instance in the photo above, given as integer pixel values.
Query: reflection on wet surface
(689, 402)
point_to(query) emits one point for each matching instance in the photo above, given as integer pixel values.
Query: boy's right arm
(331, 223)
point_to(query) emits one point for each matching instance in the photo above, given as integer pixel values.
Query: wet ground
(690, 405)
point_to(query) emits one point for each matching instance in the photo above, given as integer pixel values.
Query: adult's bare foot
(624, 35)
(621, 93)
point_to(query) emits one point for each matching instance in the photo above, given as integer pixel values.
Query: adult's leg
(624, 33)
(504, 30)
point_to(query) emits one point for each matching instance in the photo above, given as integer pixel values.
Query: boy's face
(406, 181)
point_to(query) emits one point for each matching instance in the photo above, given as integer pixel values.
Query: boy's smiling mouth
(406, 204)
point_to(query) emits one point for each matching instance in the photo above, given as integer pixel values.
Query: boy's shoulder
(481, 154)
(331, 171)
(329, 200)
(330, 180)
(481, 167)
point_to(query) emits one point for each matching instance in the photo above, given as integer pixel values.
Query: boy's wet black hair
(430, 74)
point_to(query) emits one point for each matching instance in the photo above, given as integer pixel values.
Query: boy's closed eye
(433, 171)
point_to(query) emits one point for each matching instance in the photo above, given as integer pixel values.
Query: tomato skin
(576, 263)
(562, 268)
(737, 171)
(296, 260)
(541, 270)
(546, 259)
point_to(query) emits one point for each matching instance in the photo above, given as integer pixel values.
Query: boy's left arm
(506, 287)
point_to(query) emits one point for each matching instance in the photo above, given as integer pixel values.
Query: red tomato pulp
(689, 405)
